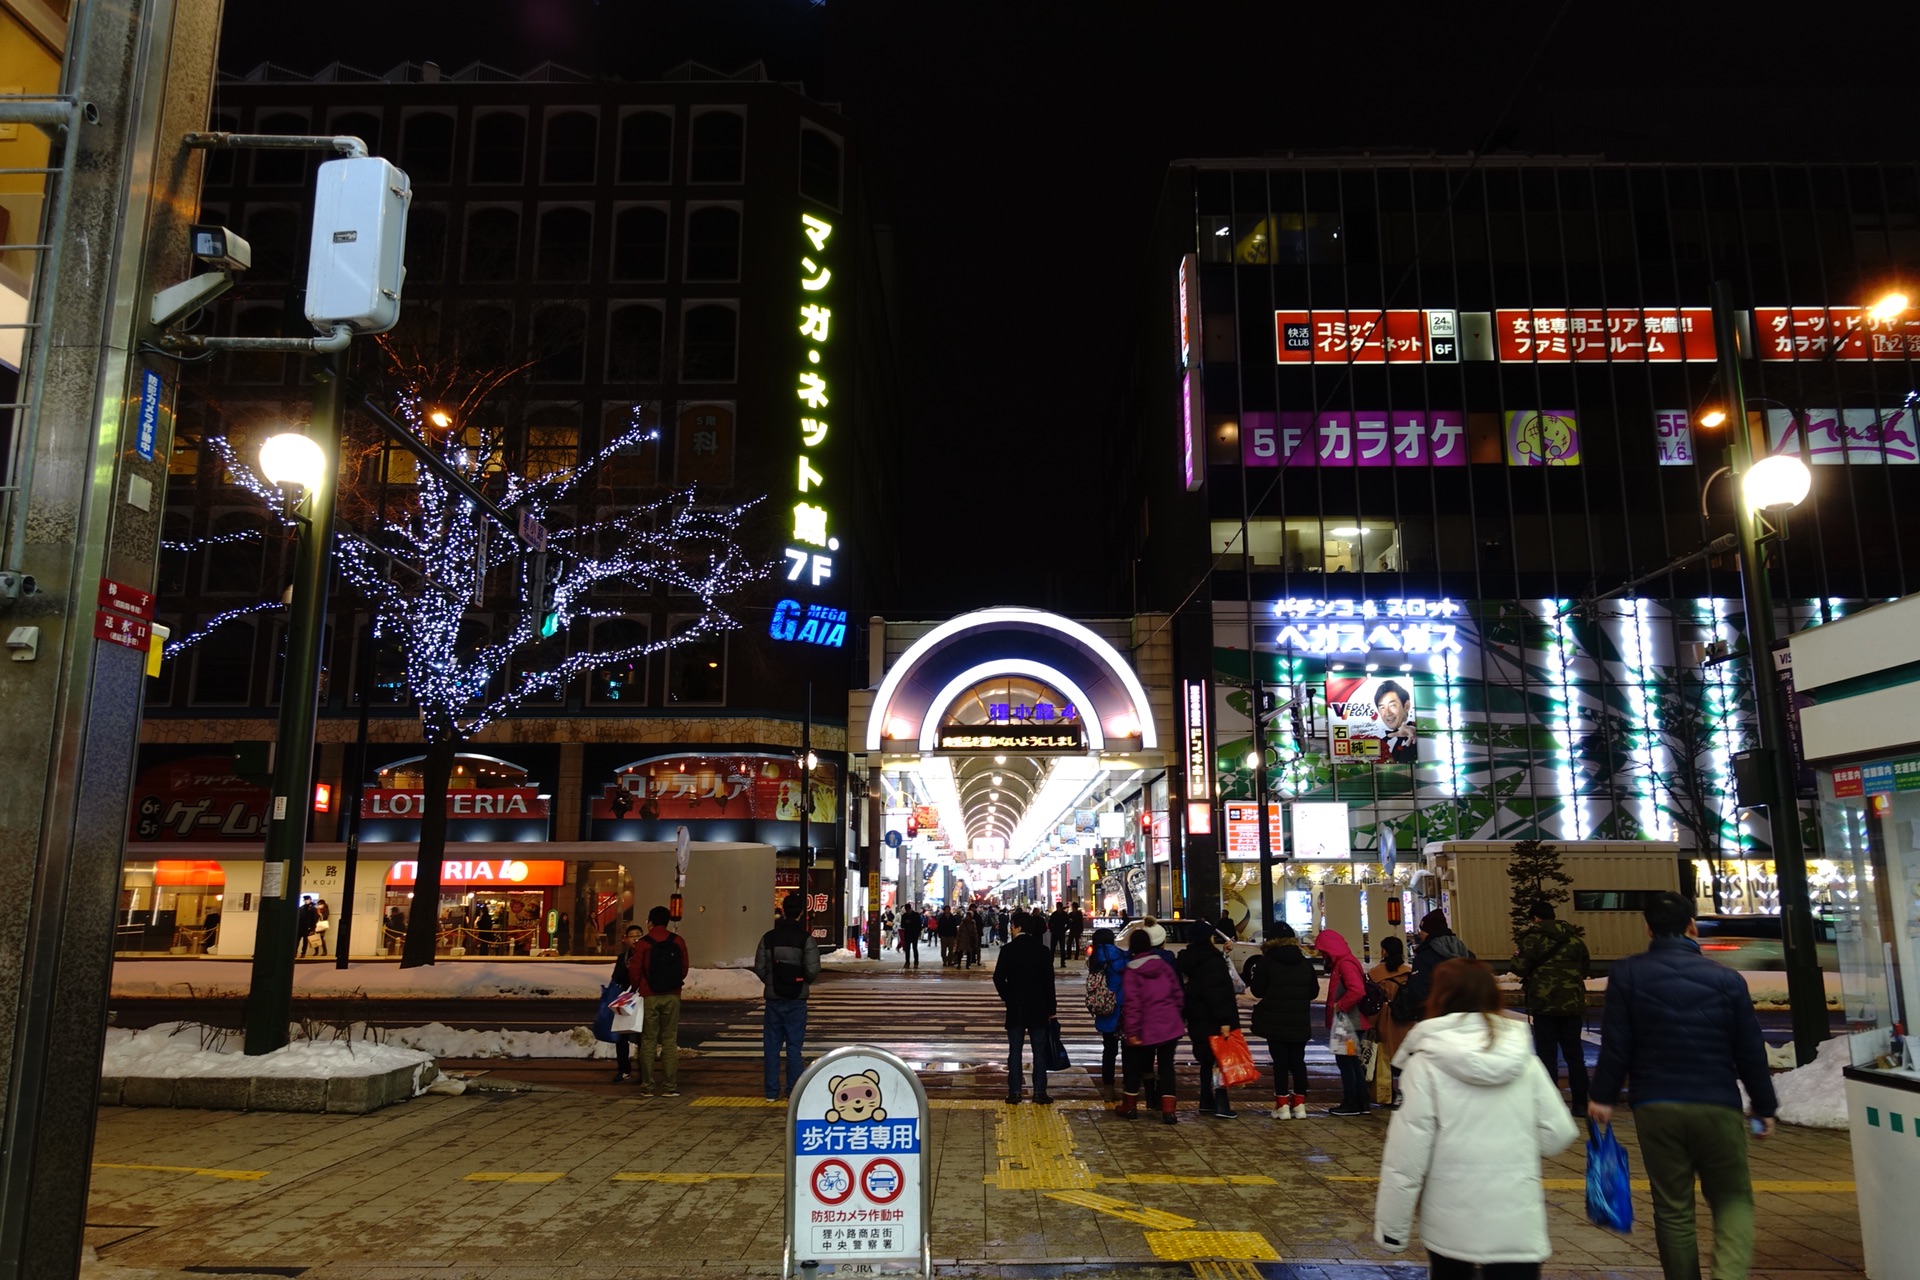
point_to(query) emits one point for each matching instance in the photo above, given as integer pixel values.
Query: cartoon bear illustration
(855, 1098)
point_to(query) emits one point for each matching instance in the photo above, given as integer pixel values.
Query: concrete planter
(348, 1095)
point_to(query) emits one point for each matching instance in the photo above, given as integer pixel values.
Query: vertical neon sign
(810, 555)
(1192, 415)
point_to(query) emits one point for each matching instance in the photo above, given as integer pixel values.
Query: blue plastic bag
(1609, 1189)
(603, 1017)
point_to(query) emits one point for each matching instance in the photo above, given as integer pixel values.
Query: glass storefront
(169, 905)
(1870, 812)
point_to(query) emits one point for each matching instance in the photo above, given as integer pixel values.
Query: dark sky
(1018, 147)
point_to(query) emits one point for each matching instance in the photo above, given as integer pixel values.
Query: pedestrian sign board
(858, 1198)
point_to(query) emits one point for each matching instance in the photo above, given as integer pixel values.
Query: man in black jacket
(1057, 926)
(1438, 944)
(910, 925)
(787, 961)
(1211, 1010)
(1023, 975)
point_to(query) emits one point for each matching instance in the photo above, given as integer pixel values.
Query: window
(719, 144)
(486, 335)
(499, 147)
(223, 666)
(171, 583)
(426, 147)
(553, 440)
(364, 125)
(820, 167)
(703, 444)
(219, 172)
(633, 343)
(1336, 544)
(696, 666)
(1611, 899)
(426, 245)
(646, 147)
(281, 168)
(707, 343)
(622, 683)
(713, 243)
(566, 244)
(559, 343)
(493, 244)
(257, 366)
(278, 237)
(235, 566)
(571, 139)
(387, 680)
(640, 243)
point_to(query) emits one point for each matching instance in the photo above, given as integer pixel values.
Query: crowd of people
(963, 931)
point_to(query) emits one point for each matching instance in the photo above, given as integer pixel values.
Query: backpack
(1403, 1006)
(666, 971)
(789, 980)
(1101, 999)
(1374, 998)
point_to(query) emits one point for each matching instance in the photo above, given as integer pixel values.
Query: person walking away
(323, 925)
(483, 930)
(1392, 975)
(1479, 1114)
(1682, 1030)
(1283, 981)
(787, 961)
(1438, 943)
(659, 966)
(1551, 962)
(910, 925)
(1346, 986)
(1211, 1009)
(1024, 978)
(1057, 927)
(306, 921)
(966, 942)
(1076, 925)
(1106, 969)
(949, 935)
(1152, 1019)
(623, 974)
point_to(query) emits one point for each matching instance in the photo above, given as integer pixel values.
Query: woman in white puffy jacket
(1465, 1146)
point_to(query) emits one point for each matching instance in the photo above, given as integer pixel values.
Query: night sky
(1018, 151)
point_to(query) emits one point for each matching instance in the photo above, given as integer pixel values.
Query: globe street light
(1776, 484)
(293, 459)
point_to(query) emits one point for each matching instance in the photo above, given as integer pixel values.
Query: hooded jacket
(1284, 982)
(1479, 1116)
(1113, 962)
(1346, 980)
(1151, 1002)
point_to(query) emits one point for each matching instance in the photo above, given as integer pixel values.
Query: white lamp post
(293, 459)
(1776, 484)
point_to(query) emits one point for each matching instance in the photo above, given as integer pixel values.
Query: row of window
(569, 150)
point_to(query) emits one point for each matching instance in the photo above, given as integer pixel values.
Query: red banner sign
(198, 798)
(118, 597)
(127, 632)
(1350, 337)
(505, 873)
(1839, 333)
(1583, 334)
(696, 787)
(501, 802)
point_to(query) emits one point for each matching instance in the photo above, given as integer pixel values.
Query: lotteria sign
(503, 802)
(506, 872)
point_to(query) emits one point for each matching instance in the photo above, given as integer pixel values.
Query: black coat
(1429, 955)
(1286, 985)
(1209, 982)
(1023, 975)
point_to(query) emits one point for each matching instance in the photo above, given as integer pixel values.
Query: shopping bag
(1234, 1058)
(1369, 1055)
(1057, 1059)
(1382, 1077)
(1609, 1189)
(603, 1018)
(629, 1013)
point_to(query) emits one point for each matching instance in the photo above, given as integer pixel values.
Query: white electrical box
(357, 262)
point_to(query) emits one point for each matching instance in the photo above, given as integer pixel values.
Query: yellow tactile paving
(1186, 1246)
(1035, 1151)
(236, 1175)
(1215, 1269)
(1165, 1222)
(1780, 1186)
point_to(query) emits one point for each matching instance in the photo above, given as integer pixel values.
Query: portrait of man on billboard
(1372, 719)
(1393, 706)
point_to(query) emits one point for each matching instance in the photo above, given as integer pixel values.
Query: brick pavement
(596, 1184)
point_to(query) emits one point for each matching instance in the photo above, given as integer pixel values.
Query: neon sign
(818, 624)
(1399, 625)
(1199, 775)
(812, 562)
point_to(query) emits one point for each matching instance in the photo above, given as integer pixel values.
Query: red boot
(1166, 1110)
(1128, 1106)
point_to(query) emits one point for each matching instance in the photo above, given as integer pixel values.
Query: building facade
(1411, 437)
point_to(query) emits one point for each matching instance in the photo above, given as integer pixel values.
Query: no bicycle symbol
(833, 1181)
(881, 1180)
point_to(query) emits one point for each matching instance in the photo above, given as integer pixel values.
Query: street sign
(127, 632)
(118, 597)
(893, 839)
(532, 532)
(859, 1200)
(148, 422)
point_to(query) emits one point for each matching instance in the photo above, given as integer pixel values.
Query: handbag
(1609, 1189)
(1381, 1076)
(603, 1016)
(1369, 1055)
(1234, 1059)
(1057, 1059)
(1344, 1036)
(629, 1013)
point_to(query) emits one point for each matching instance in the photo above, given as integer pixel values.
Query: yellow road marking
(688, 1178)
(1780, 1186)
(1195, 1180)
(513, 1177)
(1035, 1150)
(1186, 1246)
(235, 1175)
(1167, 1222)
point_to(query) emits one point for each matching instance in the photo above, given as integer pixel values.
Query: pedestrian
(1106, 969)
(1004, 925)
(1057, 926)
(1682, 1029)
(1346, 987)
(324, 924)
(1076, 923)
(623, 974)
(1211, 1009)
(1391, 975)
(483, 930)
(1152, 1019)
(659, 965)
(1024, 979)
(966, 942)
(910, 923)
(1283, 981)
(396, 928)
(1479, 1115)
(1438, 943)
(306, 920)
(1551, 961)
(949, 936)
(787, 961)
(886, 929)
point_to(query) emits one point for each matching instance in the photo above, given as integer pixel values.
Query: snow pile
(173, 1050)
(1816, 1095)
(442, 1041)
(378, 980)
(722, 984)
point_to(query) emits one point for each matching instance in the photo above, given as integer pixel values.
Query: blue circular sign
(893, 839)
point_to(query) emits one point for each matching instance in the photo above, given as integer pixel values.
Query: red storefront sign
(1350, 337)
(199, 874)
(198, 798)
(693, 788)
(1583, 334)
(507, 873)
(1839, 333)
(1848, 782)
(499, 802)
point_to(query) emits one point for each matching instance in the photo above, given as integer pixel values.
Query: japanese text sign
(1350, 337)
(1840, 333)
(147, 425)
(1372, 719)
(1243, 831)
(1368, 438)
(1673, 433)
(810, 554)
(856, 1178)
(118, 597)
(1583, 334)
(122, 629)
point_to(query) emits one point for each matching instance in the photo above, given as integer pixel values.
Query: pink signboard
(1367, 438)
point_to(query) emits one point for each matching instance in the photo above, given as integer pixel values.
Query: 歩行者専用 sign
(856, 1189)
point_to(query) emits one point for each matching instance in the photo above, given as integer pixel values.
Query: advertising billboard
(1373, 719)
(1320, 831)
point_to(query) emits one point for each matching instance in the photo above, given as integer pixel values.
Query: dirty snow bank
(173, 1051)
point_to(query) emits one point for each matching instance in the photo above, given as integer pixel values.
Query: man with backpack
(1438, 944)
(787, 961)
(910, 923)
(657, 968)
(1551, 963)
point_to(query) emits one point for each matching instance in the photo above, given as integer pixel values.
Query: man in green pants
(1681, 1030)
(658, 970)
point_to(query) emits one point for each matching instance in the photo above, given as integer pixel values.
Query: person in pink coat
(1152, 1021)
(1346, 986)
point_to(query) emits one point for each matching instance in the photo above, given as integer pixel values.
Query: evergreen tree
(1537, 875)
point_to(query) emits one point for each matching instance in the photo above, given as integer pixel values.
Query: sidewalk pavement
(545, 1182)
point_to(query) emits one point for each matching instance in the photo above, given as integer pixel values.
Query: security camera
(221, 248)
(14, 585)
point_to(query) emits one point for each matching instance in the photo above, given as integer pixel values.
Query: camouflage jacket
(1552, 964)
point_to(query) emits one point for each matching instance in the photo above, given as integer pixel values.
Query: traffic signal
(543, 576)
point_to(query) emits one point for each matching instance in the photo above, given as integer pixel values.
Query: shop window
(646, 147)
(426, 244)
(622, 683)
(708, 342)
(634, 334)
(486, 335)
(223, 666)
(493, 244)
(1611, 899)
(499, 147)
(566, 243)
(713, 243)
(277, 234)
(571, 139)
(426, 147)
(553, 440)
(696, 666)
(387, 676)
(281, 168)
(820, 167)
(219, 171)
(363, 125)
(1334, 545)
(719, 144)
(559, 343)
(640, 244)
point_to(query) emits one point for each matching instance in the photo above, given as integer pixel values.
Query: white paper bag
(629, 1013)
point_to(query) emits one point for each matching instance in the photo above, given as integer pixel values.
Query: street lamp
(293, 459)
(1889, 305)
(1776, 485)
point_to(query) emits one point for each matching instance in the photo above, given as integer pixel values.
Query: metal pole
(270, 998)
(350, 794)
(1806, 993)
(806, 810)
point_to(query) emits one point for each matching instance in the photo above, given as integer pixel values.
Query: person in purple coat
(1152, 1020)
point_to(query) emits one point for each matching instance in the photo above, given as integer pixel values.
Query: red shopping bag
(1235, 1060)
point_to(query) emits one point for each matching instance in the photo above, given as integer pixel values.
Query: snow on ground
(722, 984)
(175, 1049)
(453, 979)
(1769, 987)
(445, 1042)
(1816, 1095)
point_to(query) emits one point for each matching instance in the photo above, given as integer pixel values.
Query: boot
(1222, 1109)
(1299, 1106)
(1128, 1106)
(1282, 1106)
(1166, 1110)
